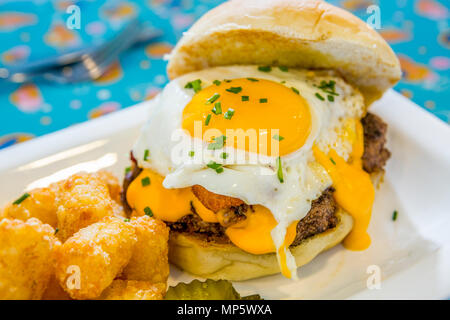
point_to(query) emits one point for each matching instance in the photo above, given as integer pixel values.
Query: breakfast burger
(260, 153)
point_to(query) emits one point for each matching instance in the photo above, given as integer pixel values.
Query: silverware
(82, 64)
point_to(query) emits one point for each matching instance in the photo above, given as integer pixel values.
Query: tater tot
(111, 182)
(150, 254)
(88, 261)
(39, 204)
(83, 199)
(25, 258)
(134, 290)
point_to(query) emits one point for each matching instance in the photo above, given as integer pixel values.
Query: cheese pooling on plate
(275, 138)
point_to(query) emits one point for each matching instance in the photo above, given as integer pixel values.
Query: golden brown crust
(226, 261)
(308, 34)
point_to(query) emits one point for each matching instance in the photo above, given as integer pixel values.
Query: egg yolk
(354, 190)
(256, 115)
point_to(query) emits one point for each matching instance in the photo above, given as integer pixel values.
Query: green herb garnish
(265, 68)
(146, 154)
(148, 212)
(263, 100)
(252, 79)
(332, 161)
(330, 98)
(217, 82)
(279, 170)
(215, 166)
(245, 98)
(229, 114)
(284, 69)
(21, 199)
(145, 181)
(56, 231)
(191, 153)
(218, 143)
(234, 90)
(295, 90)
(126, 220)
(196, 85)
(394, 215)
(217, 108)
(213, 98)
(278, 137)
(208, 118)
(319, 96)
(224, 155)
(127, 170)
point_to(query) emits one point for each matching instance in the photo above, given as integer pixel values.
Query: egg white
(256, 183)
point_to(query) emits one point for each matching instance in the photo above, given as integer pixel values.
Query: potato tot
(89, 261)
(150, 254)
(25, 258)
(83, 200)
(134, 290)
(39, 204)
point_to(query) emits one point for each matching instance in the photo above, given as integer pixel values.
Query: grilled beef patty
(320, 217)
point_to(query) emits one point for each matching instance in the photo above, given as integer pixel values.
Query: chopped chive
(265, 68)
(332, 161)
(330, 98)
(217, 108)
(328, 87)
(191, 153)
(234, 89)
(126, 220)
(56, 230)
(279, 170)
(148, 211)
(213, 98)
(215, 166)
(224, 155)
(263, 100)
(319, 96)
(283, 82)
(217, 82)
(196, 85)
(252, 79)
(284, 69)
(229, 114)
(127, 170)
(21, 199)
(208, 118)
(218, 143)
(295, 90)
(278, 137)
(227, 80)
(146, 154)
(245, 98)
(145, 181)
(394, 215)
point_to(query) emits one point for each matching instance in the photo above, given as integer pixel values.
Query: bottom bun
(226, 261)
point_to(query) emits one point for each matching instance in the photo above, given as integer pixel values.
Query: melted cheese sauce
(354, 190)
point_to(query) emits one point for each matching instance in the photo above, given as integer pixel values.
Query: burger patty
(321, 216)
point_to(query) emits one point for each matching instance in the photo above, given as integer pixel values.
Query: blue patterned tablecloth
(418, 31)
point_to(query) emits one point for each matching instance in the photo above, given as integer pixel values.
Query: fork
(91, 65)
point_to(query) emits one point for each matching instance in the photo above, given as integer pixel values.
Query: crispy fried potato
(25, 258)
(54, 291)
(134, 290)
(213, 201)
(40, 204)
(83, 199)
(111, 182)
(88, 262)
(150, 254)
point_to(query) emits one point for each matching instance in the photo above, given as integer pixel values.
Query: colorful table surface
(417, 30)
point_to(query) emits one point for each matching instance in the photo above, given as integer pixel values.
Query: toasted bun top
(308, 34)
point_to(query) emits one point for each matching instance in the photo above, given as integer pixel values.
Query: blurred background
(38, 38)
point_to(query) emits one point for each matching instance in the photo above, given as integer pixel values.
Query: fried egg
(275, 138)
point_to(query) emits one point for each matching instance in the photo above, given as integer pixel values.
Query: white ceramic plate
(410, 256)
